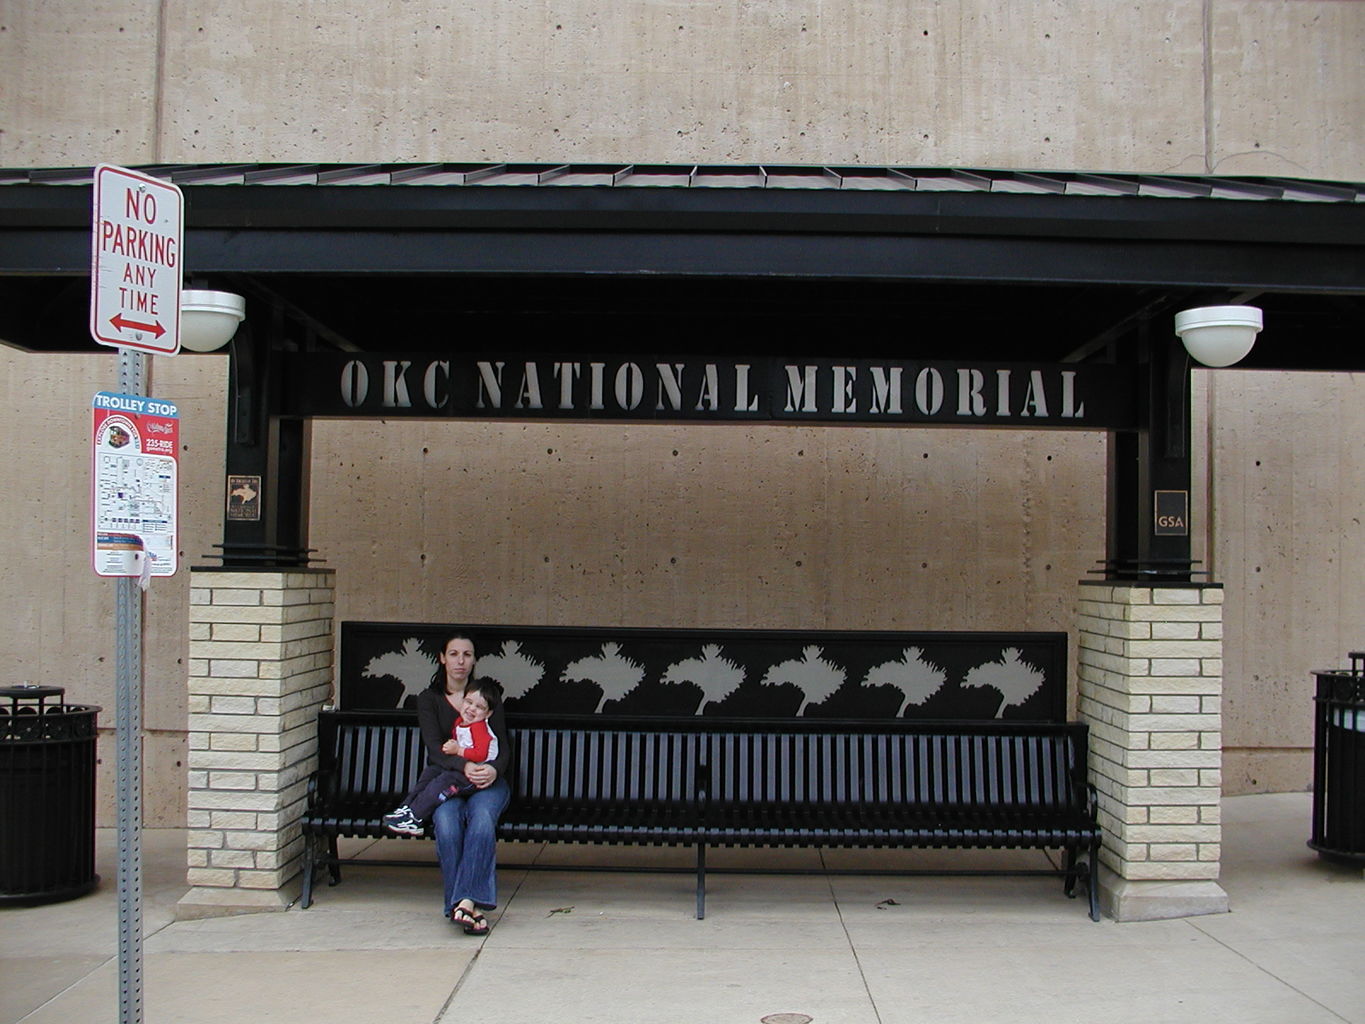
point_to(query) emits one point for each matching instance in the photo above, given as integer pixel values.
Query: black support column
(267, 455)
(1145, 542)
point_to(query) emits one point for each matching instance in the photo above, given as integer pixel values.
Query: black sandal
(471, 921)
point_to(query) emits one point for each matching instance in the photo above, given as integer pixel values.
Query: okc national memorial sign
(492, 386)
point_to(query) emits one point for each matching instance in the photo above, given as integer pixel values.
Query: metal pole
(128, 698)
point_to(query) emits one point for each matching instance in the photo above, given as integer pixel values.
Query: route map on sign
(134, 485)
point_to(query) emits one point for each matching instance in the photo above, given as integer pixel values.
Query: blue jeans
(466, 845)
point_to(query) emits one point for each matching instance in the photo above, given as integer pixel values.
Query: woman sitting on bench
(466, 829)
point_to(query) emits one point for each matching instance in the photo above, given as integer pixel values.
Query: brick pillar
(260, 668)
(1151, 683)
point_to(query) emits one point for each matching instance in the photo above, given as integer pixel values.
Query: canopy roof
(920, 263)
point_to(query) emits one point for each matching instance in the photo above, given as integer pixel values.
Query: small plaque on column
(244, 498)
(1172, 518)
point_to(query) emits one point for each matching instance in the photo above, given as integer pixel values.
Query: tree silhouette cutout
(516, 670)
(614, 673)
(410, 665)
(815, 677)
(915, 677)
(1015, 679)
(716, 676)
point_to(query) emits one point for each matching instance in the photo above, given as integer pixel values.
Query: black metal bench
(593, 780)
(730, 782)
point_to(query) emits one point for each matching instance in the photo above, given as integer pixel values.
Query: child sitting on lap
(472, 739)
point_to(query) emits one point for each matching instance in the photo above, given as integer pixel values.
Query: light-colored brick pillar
(260, 669)
(1151, 684)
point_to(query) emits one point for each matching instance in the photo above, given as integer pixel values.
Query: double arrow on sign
(122, 324)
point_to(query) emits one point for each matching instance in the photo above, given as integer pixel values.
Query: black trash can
(1339, 762)
(47, 796)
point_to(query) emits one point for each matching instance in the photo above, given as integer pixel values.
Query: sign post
(137, 226)
(128, 766)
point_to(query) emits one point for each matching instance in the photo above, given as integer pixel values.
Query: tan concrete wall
(1237, 86)
(655, 525)
(739, 527)
(1288, 495)
(58, 615)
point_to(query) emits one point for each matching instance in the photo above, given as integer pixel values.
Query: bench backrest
(1041, 766)
(371, 754)
(572, 759)
(557, 760)
(576, 759)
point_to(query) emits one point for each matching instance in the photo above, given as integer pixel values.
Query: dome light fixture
(1218, 335)
(209, 319)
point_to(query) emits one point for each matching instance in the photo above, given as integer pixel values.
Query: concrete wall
(1233, 86)
(58, 615)
(1287, 484)
(747, 527)
(705, 525)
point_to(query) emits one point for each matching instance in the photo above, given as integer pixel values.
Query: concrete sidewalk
(605, 947)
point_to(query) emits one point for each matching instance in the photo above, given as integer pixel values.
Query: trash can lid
(30, 691)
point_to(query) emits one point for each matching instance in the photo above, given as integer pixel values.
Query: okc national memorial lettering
(668, 388)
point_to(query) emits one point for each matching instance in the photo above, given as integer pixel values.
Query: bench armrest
(321, 785)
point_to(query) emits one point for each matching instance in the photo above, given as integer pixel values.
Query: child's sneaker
(403, 822)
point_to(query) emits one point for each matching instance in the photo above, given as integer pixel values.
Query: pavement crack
(857, 960)
(1267, 971)
(473, 960)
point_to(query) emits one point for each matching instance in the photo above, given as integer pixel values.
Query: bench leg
(309, 864)
(701, 881)
(313, 854)
(1085, 872)
(334, 864)
(1069, 886)
(1092, 881)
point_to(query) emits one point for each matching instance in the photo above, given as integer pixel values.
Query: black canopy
(872, 263)
(922, 263)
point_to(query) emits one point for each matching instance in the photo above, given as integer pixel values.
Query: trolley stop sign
(134, 486)
(135, 265)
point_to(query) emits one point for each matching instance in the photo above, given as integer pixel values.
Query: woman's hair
(489, 689)
(438, 678)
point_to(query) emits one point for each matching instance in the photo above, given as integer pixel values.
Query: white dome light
(208, 319)
(1218, 335)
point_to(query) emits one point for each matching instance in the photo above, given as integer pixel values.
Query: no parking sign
(135, 270)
